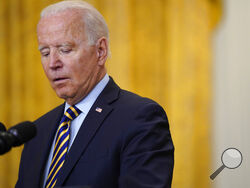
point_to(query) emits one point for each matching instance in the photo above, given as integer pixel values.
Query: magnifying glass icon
(231, 158)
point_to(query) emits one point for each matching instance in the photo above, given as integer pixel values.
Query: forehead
(66, 25)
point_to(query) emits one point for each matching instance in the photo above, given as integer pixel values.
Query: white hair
(95, 25)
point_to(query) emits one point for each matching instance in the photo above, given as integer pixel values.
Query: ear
(102, 50)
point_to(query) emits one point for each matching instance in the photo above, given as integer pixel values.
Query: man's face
(70, 64)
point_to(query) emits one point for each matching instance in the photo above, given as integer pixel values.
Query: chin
(64, 94)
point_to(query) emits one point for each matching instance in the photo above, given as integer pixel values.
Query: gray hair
(95, 25)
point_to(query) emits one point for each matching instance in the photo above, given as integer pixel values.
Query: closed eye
(66, 51)
(44, 53)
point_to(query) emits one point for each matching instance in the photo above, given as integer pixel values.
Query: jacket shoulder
(135, 100)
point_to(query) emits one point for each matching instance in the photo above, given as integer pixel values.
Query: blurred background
(191, 56)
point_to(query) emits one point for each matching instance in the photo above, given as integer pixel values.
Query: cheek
(46, 70)
(83, 72)
(77, 68)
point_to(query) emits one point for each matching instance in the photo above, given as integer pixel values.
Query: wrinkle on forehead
(68, 22)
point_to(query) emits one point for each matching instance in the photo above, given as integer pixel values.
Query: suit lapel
(49, 128)
(88, 129)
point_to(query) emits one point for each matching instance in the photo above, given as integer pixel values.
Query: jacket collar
(89, 127)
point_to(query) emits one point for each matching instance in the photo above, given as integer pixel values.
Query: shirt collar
(86, 103)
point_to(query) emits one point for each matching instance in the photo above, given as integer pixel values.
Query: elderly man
(102, 136)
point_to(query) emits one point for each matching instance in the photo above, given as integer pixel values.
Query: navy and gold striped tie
(61, 145)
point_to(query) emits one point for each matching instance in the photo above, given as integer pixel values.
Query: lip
(60, 80)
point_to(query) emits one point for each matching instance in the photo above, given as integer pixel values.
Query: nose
(54, 60)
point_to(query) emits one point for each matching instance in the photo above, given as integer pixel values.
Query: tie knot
(71, 113)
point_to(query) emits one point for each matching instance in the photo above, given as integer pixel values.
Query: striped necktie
(61, 145)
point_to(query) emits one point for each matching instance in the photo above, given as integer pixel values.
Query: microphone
(16, 136)
(2, 127)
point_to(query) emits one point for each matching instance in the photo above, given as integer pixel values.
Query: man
(102, 136)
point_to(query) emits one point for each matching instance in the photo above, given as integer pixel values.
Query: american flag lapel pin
(98, 109)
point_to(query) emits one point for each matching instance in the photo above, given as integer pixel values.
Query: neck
(93, 82)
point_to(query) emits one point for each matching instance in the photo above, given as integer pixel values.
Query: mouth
(60, 80)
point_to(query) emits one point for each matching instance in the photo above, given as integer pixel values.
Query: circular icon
(231, 158)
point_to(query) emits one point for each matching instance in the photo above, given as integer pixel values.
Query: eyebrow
(65, 44)
(57, 46)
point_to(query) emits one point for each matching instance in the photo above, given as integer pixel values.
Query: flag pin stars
(98, 109)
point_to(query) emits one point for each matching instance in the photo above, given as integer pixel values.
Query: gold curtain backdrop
(159, 48)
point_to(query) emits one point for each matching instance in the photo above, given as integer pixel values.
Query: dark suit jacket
(127, 145)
